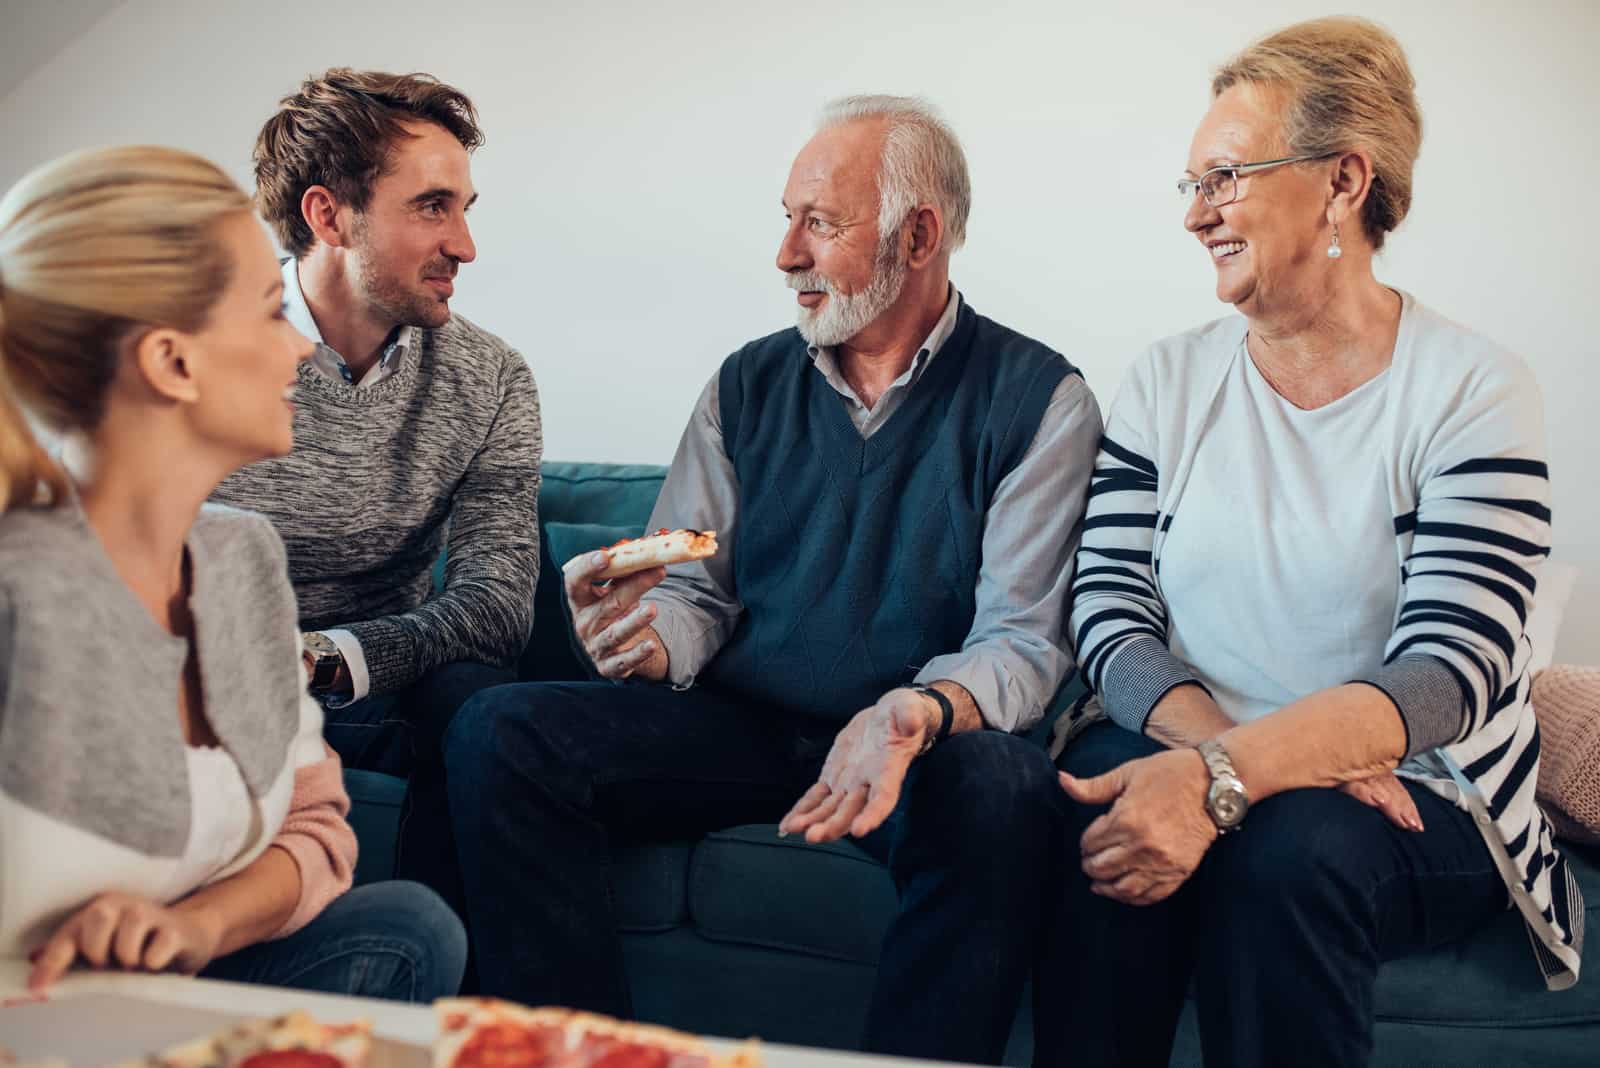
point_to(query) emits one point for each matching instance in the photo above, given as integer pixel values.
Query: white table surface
(390, 1019)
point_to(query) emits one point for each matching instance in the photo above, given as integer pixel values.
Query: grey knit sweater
(443, 452)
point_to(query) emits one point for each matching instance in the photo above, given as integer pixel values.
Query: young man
(415, 432)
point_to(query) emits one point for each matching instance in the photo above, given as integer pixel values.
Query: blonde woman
(166, 800)
(1312, 541)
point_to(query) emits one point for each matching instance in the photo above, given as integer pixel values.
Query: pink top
(316, 834)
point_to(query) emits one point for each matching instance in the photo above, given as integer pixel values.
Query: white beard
(842, 316)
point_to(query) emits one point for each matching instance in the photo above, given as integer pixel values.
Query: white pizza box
(88, 1030)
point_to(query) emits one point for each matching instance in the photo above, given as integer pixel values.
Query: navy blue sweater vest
(857, 559)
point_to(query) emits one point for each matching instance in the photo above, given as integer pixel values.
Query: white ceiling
(37, 30)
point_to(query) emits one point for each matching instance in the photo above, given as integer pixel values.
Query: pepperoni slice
(631, 1055)
(502, 1045)
(291, 1058)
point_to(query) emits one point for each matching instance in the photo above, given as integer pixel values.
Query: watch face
(319, 644)
(1228, 803)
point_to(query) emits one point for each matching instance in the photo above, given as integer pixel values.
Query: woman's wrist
(210, 926)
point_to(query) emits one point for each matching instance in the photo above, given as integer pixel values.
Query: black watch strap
(325, 661)
(947, 715)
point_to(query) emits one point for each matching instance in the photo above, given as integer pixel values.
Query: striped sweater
(1463, 450)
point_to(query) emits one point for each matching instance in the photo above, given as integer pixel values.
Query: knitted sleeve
(1480, 531)
(1119, 620)
(485, 611)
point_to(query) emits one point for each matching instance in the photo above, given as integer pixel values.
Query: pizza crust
(661, 549)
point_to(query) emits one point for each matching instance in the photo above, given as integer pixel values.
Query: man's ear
(322, 212)
(164, 362)
(927, 235)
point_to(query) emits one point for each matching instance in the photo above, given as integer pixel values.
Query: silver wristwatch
(1226, 801)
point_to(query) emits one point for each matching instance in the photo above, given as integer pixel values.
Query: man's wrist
(325, 665)
(941, 717)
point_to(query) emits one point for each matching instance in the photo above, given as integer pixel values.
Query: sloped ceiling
(35, 31)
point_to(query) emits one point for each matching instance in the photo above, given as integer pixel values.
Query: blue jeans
(1280, 930)
(545, 777)
(393, 940)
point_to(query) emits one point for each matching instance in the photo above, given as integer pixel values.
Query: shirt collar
(930, 345)
(827, 361)
(298, 312)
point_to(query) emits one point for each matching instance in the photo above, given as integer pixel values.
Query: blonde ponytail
(95, 247)
(27, 474)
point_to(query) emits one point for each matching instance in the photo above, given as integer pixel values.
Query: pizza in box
(487, 1033)
(473, 1033)
(295, 1040)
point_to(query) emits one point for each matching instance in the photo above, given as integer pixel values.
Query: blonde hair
(1348, 84)
(94, 247)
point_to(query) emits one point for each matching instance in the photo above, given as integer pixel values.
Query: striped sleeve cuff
(1432, 706)
(1138, 676)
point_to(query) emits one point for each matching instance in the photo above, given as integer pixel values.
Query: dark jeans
(1281, 929)
(402, 734)
(545, 778)
(385, 940)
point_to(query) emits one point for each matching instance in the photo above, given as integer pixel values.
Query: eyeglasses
(1220, 185)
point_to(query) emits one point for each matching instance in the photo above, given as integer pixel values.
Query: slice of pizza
(294, 1040)
(632, 555)
(487, 1033)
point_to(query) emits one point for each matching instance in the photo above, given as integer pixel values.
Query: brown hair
(93, 247)
(337, 131)
(1348, 84)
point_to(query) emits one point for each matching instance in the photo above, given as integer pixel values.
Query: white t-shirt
(1279, 570)
(222, 819)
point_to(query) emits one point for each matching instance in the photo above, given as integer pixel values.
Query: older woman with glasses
(1313, 539)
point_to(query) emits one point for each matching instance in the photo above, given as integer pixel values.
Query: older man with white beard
(897, 485)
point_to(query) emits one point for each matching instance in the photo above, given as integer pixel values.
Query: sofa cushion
(375, 800)
(567, 540)
(609, 494)
(650, 886)
(748, 886)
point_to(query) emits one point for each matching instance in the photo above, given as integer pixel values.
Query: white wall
(637, 152)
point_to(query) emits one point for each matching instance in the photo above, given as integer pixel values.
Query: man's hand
(118, 930)
(1157, 831)
(865, 769)
(611, 623)
(1387, 794)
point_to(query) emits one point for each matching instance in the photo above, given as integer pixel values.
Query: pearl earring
(1334, 251)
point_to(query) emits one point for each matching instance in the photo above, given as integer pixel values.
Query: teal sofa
(743, 933)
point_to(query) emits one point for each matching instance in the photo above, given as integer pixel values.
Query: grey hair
(922, 162)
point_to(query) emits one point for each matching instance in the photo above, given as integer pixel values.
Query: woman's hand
(1386, 793)
(1158, 829)
(118, 930)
